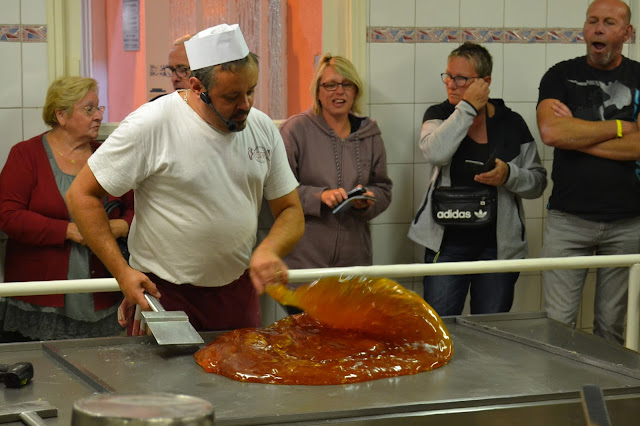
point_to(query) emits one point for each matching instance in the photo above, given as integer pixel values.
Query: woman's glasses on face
(458, 80)
(90, 110)
(332, 86)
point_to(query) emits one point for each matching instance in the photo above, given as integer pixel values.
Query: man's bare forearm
(626, 148)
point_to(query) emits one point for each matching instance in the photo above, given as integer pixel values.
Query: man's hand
(266, 268)
(477, 94)
(496, 177)
(133, 284)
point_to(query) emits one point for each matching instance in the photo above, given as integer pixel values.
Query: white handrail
(631, 261)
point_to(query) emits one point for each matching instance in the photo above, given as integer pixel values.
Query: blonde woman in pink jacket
(332, 151)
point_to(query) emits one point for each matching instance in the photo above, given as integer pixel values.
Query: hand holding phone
(359, 190)
(478, 167)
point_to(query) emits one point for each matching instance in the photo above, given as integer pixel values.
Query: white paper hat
(216, 45)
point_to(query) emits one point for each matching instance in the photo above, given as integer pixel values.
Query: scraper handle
(31, 418)
(153, 302)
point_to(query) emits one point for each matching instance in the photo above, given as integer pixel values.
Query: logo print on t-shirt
(260, 154)
(615, 95)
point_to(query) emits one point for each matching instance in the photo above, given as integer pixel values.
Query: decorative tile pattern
(565, 35)
(9, 32)
(23, 33)
(391, 35)
(483, 35)
(438, 35)
(525, 35)
(34, 33)
(478, 35)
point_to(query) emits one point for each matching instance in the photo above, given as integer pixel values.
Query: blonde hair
(63, 94)
(346, 69)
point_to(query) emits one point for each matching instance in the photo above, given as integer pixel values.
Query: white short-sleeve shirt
(198, 191)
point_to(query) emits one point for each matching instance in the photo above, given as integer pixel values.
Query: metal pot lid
(142, 409)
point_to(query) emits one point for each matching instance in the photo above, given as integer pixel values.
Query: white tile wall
(393, 120)
(524, 65)
(397, 13)
(393, 74)
(10, 75)
(481, 14)
(391, 244)
(35, 75)
(525, 13)
(566, 13)
(10, 119)
(33, 124)
(9, 12)
(400, 210)
(437, 13)
(34, 12)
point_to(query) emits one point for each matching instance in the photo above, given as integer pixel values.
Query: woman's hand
(119, 227)
(74, 234)
(495, 177)
(363, 204)
(333, 197)
(477, 94)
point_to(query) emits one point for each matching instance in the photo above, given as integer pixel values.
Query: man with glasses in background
(587, 110)
(178, 68)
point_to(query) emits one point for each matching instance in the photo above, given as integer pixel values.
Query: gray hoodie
(527, 178)
(318, 158)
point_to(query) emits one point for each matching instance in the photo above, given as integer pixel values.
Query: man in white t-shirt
(199, 164)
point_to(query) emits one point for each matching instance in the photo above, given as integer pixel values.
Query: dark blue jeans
(490, 293)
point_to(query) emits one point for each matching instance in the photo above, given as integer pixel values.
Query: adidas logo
(454, 214)
(480, 214)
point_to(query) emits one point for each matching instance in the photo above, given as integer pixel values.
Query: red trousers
(235, 305)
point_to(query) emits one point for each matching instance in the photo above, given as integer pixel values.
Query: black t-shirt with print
(591, 187)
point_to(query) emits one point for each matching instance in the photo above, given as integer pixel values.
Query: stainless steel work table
(506, 369)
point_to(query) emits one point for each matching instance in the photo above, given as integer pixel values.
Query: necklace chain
(71, 160)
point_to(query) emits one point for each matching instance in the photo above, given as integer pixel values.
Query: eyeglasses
(332, 86)
(90, 110)
(181, 72)
(458, 80)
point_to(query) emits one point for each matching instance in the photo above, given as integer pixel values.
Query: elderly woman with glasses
(43, 242)
(476, 145)
(333, 151)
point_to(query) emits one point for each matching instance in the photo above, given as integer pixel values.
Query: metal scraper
(29, 413)
(169, 327)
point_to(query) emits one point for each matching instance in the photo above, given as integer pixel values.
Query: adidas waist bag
(463, 206)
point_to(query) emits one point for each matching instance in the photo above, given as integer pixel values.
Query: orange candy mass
(353, 329)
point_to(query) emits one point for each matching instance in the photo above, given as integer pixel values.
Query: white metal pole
(633, 309)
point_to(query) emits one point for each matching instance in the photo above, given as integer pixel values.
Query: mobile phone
(478, 167)
(356, 191)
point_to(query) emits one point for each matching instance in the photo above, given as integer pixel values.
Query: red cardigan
(35, 217)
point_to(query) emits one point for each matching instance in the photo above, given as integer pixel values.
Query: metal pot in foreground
(142, 409)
